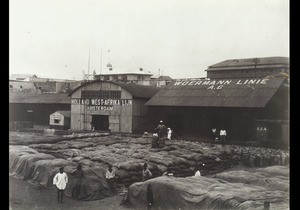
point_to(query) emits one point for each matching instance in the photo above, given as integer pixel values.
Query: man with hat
(162, 133)
(161, 130)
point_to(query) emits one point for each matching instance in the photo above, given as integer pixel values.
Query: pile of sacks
(260, 157)
(39, 169)
(228, 190)
(182, 158)
(17, 138)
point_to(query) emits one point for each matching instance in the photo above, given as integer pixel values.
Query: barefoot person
(60, 180)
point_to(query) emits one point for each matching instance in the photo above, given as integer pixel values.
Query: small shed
(60, 120)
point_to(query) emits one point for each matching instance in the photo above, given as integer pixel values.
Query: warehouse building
(107, 105)
(22, 87)
(249, 68)
(29, 110)
(250, 109)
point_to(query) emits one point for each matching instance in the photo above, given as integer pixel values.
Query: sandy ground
(23, 196)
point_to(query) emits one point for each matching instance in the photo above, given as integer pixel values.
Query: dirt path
(23, 196)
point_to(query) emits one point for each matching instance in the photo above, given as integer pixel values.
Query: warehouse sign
(101, 104)
(219, 84)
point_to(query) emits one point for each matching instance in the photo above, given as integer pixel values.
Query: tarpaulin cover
(213, 193)
(40, 168)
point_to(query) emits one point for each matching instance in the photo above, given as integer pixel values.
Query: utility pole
(158, 83)
(89, 66)
(101, 63)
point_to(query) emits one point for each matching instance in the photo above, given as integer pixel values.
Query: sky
(64, 39)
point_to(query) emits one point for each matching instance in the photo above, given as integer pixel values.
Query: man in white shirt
(60, 180)
(223, 135)
(169, 134)
(197, 173)
(110, 176)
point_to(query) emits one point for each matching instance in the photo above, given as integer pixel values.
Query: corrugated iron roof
(167, 78)
(209, 93)
(64, 113)
(252, 61)
(44, 98)
(137, 91)
(258, 67)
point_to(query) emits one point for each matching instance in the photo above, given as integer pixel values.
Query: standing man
(169, 134)
(78, 175)
(161, 130)
(60, 180)
(110, 176)
(214, 134)
(223, 135)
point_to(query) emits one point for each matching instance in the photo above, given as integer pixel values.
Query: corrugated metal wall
(37, 113)
(120, 116)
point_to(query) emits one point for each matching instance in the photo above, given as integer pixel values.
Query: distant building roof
(124, 73)
(165, 78)
(124, 70)
(137, 91)
(52, 80)
(44, 98)
(250, 63)
(21, 76)
(64, 113)
(246, 92)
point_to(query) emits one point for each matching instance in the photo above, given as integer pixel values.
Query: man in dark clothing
(161, 130)
(150, 199)
(78, 175)
(266, 205)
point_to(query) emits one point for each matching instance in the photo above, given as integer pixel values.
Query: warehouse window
(56, 121)
(10, 86)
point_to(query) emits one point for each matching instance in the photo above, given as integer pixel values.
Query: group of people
(166, 133)
(161, 134)
(221, 137)
(61, 180)
(162, 131)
